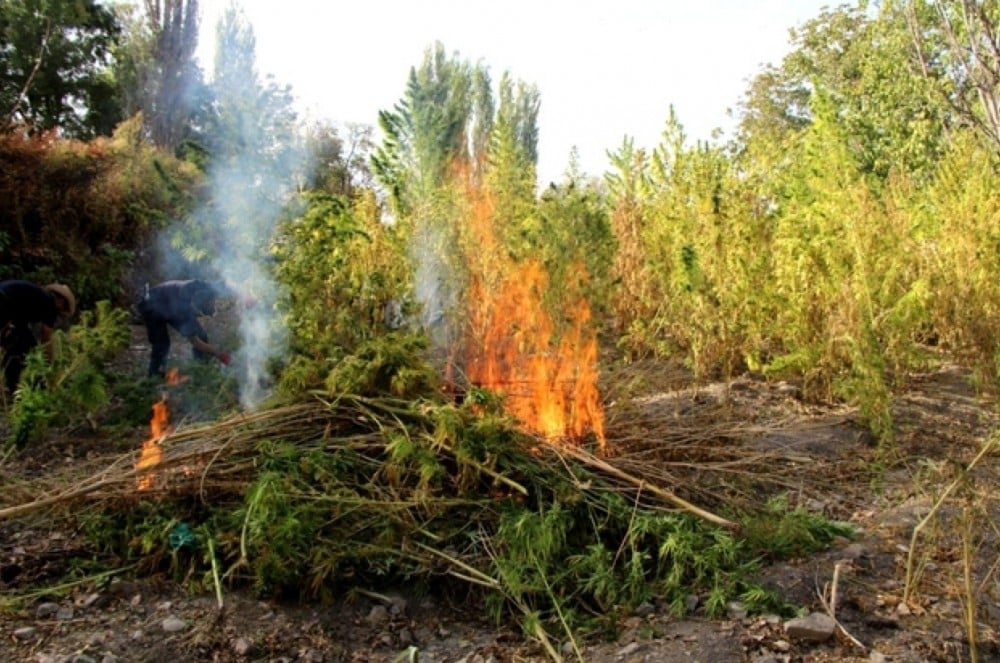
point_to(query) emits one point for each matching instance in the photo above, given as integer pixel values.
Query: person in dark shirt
(23, 304)
(178, 304)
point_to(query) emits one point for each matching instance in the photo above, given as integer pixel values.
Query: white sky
(605, 69)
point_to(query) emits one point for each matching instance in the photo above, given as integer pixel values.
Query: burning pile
(546, 372)
(549, 381)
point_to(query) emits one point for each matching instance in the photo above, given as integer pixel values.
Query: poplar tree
(157, 71)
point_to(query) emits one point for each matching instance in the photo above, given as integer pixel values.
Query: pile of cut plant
(389, 479)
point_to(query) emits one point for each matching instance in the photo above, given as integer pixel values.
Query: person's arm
(210, 349)
(45, 332)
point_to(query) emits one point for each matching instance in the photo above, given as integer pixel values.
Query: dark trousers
(158, 332)
(16, 341)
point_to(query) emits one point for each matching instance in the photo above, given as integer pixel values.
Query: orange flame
(152, 452)
(174, 377)
(546, 372)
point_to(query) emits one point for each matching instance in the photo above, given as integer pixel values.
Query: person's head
(203, 297)
(64, 299)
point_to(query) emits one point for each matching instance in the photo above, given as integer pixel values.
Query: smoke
(249, 192)
(256, 159)
(434, 284)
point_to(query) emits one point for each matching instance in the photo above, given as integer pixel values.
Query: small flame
(152, 452)
(174, 377)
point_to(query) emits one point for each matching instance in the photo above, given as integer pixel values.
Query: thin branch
(34, 72)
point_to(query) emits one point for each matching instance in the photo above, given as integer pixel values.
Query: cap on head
(67, 294)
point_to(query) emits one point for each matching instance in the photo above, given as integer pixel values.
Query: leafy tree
(54, 62)
(335, 164)
(156, 70)
(448, 119)
(860, 64)
(957, 47)
(426, 131)
(253, 155)
(452, 154)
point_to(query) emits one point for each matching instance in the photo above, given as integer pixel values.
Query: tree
(447, 117)
(55, 58)
(860, 65)
(338, 165)
(157, 72)
(957, 46)
(428, 128)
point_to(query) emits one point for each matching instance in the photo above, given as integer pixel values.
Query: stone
(95, 600)
(815, 627)
(628, 650)
(377, 615)
(173, 625)
(46, 610)
(24, 633)
(242, 646)
(736, 610)
(691, 602)
(399, 605)
(644, 609)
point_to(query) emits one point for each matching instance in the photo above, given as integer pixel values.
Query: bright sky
(605, 69)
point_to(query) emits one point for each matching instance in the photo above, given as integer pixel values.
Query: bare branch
(34, 72)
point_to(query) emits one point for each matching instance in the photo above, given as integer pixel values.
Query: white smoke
(257, 158)
(434, 284)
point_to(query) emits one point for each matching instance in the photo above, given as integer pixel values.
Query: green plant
(73, 385)
(779, 531)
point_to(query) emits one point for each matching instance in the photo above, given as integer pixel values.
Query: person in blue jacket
(178, 304)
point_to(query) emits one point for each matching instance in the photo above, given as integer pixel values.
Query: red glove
(226, 358)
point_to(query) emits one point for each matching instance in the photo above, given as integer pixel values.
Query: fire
(152, 453)
(159, 426)
(546, 371)
(174, 377)
(548, 379)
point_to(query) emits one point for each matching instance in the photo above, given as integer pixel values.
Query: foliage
(54, 56)
(338, 165)
(73, 385)
(824, 245)
(156, 72)
(423, 491)
(778, 531)
(572, 227)
(862, 66)
(955, 46)
(344, 275)
(82, 213)
(448, 119)
(688, 229)
(388, 365)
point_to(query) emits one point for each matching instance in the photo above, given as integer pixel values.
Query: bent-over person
(24, 304)
(178, 304)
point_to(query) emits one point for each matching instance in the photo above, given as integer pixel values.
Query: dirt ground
(941, 424)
